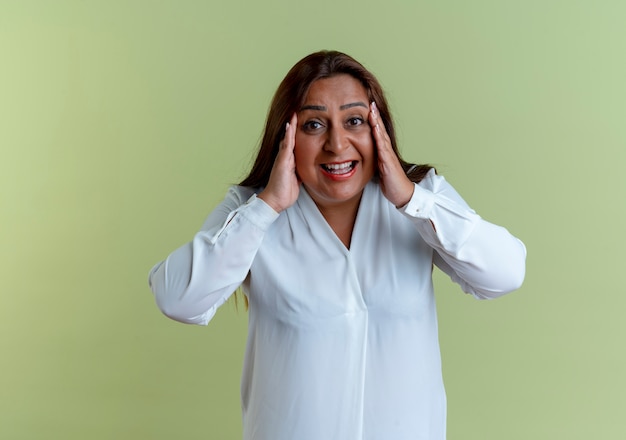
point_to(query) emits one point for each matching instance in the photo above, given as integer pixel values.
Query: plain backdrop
(122, 123)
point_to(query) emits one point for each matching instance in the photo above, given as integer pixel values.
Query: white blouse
(342, 343)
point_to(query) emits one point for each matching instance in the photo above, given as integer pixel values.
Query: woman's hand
(395, 184)
(283, 186)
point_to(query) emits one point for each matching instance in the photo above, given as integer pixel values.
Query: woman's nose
(335, 141)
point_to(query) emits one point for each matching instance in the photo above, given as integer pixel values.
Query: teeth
(338, 166)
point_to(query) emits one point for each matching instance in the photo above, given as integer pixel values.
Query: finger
(287, 145)
(289, 141)
(379, 131)
(381, 138)
(293, 126)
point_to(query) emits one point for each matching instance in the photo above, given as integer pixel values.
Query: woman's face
(334, 148)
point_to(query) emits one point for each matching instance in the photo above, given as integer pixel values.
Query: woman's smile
(340, 170)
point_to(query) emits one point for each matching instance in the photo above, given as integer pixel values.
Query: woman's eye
(354, 122)
(312, 126)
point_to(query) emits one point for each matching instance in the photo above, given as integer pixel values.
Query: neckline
(310, 208)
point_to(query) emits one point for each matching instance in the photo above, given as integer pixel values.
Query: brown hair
(290, 96)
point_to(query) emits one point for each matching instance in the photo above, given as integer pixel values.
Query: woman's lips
(339, 170)
(340, 167)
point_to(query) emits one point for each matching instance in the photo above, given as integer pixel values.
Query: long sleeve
(197, 278)
(483, 258)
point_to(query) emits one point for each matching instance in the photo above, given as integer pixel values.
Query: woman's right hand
(283, 186)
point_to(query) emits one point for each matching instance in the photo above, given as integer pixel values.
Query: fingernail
(287, 126)
(374, 108)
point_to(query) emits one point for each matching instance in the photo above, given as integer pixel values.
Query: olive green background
(122, 123)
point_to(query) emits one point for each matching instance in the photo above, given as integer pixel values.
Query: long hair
(290, 96)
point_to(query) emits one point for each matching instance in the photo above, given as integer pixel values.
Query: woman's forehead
(338, 90)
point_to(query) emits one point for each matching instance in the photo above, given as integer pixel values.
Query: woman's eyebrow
(313, 107)
(323, 108)
(353, 104)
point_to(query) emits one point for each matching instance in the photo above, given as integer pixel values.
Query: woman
(333, 238)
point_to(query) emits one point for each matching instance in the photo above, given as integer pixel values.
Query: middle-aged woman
(333, 238)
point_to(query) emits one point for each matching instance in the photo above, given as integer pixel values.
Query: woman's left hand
(395, 184)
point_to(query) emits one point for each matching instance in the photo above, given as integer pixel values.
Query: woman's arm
(197, 278)
(483, 258)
